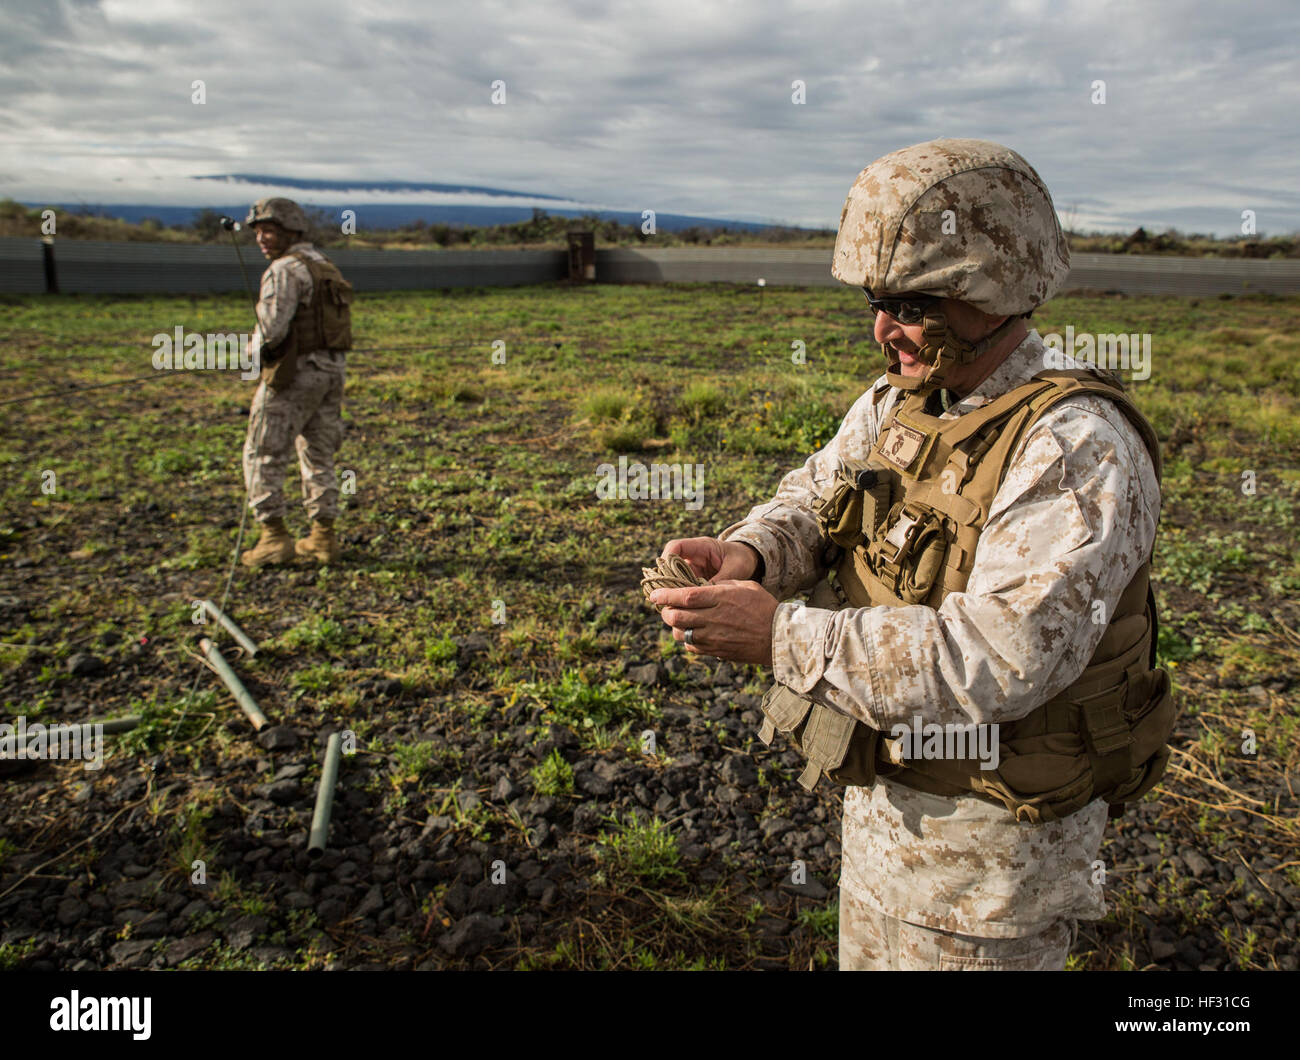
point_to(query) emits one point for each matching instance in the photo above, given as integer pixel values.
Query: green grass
(317, 633)
(13, 954)
(606, 405)
(582, 702)
(413, 760)
(1201, 561)
(645, 851)
(824, 923)
(553, 775)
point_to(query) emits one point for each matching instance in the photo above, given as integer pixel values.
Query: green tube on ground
(243, 638)
(329, 778)
(55, 732)
(116, 724)
(246, 702)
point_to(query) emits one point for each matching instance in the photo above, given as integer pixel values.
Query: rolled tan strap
(669, 572)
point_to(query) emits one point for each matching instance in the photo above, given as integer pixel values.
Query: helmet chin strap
(942, 351)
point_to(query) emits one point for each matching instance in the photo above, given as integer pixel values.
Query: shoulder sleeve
(286, 284)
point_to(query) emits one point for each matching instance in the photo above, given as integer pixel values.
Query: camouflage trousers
(872, 941)
(306, 415)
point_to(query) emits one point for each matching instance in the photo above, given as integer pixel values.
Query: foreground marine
(977, 540)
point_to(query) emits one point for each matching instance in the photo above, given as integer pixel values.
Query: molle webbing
(325, 323)
(909, 524)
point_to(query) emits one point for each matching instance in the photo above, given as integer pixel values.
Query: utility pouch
(841, 513)
(280, 372)
(834, 745)
(335, 319)
(855, 507)
(909, 554)
(877, 487)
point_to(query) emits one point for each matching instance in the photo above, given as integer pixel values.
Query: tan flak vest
(908, 524)
(325, 323)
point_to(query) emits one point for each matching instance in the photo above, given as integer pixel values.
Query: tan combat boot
(274, 546)
(321, 544)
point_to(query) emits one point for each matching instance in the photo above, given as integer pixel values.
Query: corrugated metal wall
(93, 267)
(87, 267)
(402, 270)
(1149, 274)
(1132, 274)
(22, 266)
(796, 268)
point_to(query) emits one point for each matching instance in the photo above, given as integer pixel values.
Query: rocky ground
(503, 875)
(398, 891)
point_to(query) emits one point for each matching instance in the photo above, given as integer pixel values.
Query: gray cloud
(680, 106)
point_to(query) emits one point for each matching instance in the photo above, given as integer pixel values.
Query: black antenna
(232, 226)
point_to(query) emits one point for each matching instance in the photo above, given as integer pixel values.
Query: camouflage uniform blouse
(1073, 520)
(287, 286)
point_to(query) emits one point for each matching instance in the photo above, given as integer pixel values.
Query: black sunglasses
(910, 309)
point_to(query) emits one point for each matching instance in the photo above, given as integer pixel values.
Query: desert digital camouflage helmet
(284, 212)
(964, 219)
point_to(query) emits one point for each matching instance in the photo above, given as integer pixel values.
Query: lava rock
(678, 779)
(289, 773)
(241, 933)
(485, 896)
(184, 949)
(585, 818)
(153, 926)
(133, 953)
(607, 770)
(565, 738)
(71, 910)
(472, 935)
(435, 824)
(650, 674)
(814, 889)
(472, 645)
(740, 771)
(372, 903)
(775, 827)
(591, 784)
(330, 910)
(278, 738)
(82, 664)
(1163, 944)
(1196, 863)
(282, 792)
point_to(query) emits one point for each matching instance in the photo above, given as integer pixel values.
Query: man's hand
(715, 560)
(728, 619)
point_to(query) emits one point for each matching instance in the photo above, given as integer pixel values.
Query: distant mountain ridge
(392, 216)
(378, 185)
(396, 215)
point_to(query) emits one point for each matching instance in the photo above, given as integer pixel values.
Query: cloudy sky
(682, 106)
